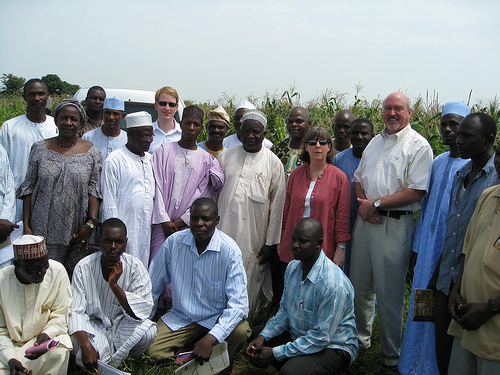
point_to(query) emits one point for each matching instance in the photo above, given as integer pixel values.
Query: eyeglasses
(322, 142)
(170, 104)
(144, 136)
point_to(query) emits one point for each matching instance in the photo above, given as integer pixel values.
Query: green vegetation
(425, 119)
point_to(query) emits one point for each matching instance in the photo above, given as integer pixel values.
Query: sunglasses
(322, 142)
(170, 104)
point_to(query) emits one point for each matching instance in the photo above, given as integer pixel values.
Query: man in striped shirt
(109, 314)
(314, 330)
(209, 295)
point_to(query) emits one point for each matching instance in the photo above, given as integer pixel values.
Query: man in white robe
(234, 139)
(251, 203)
(109, 315)
(7, 208)
(128, 185)
(34, 302)
(109, 136)
(18, 134)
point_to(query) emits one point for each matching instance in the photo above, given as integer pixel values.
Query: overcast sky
(207, 49)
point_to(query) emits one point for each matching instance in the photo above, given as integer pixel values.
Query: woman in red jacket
(318, 189)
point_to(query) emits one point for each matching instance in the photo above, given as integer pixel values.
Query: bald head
(297, 125)
(397, 112)
(342, 129)
(310, 225)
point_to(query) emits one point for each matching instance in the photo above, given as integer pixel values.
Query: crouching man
(209, 295)
(109, 315)
(35, 296)
(314, 330)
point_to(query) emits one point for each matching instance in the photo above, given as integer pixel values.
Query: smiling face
(113, 243)
(396, 112)
(216, 130)
(36, 95)
(449, 128)
(318, 151)
(68, 122)
(361, 135)
(164, 106)
(202, 221)
(31, 271)
(252, 135)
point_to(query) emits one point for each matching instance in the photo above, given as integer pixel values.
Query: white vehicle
(135, 100)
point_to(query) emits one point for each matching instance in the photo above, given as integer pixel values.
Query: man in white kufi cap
(109, 136)
(34, 303)
(251, 203)
(234, 140)
(128, 185)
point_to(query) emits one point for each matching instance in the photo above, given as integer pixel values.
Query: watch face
(376, 203)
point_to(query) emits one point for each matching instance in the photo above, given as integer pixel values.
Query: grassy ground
(369, 363)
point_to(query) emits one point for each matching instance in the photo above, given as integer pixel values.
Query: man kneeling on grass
(209, 295)
(109, 315)
(314, 330)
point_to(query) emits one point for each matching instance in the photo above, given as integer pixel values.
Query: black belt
(395, 214)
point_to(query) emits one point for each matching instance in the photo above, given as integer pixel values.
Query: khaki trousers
(379, 262)
(169, 343)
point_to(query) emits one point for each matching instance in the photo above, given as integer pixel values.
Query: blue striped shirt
(208, 289)
(318, 312)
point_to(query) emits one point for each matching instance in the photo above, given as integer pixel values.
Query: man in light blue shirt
(314, 330)
(209, 295)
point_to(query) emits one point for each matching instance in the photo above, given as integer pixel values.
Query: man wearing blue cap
(109, 136)
(476, 134)
(428, 241)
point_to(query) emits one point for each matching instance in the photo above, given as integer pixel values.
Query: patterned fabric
(60, 187)
(288, 156)
(96, 311)
(458, 219)
(318, 311)
(418, 353)
(208, 288)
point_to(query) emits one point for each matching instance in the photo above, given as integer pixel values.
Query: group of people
(326, 225)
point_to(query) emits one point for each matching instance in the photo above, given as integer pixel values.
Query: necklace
(66, 146)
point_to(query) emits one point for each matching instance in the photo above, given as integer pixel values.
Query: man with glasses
(166, 129)
(128, 185)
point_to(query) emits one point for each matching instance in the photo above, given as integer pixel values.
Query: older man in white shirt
(390, 182)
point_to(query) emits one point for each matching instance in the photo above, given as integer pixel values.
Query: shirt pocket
(306, 319)
(396, 166)
(214, 290)
(259, 188)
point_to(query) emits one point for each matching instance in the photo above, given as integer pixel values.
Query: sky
(212, 50)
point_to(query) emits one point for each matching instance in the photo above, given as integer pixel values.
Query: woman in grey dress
(62, 191)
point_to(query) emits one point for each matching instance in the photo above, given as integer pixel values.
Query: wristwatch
(376, 204)
(493, 307)
(91, 225)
